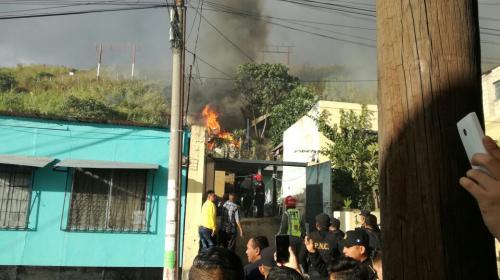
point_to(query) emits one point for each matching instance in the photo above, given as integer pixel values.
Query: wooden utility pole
(429, 77)
(170, 269)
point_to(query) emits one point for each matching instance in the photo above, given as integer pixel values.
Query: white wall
(301, 143)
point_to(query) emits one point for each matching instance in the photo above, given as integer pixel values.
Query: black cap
(323, 220)
(334, 222)
(267, 256)
(356, 237)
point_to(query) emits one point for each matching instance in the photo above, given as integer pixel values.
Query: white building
(302, 142)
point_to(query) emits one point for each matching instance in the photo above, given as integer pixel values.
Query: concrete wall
(195, 189)
(46, 244)
(349, 220)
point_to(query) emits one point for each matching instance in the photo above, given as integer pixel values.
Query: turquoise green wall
(47, 244)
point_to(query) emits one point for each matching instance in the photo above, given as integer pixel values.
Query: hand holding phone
(472, 136)
(282, 244)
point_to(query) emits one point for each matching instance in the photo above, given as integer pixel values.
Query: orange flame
(211, 120)
(214, 129)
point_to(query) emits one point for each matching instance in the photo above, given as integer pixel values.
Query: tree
(263, 86)
(291, 109)
(353, 151)
(429, 77)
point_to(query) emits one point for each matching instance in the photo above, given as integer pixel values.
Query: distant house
(77, 195)
(491, 102)
(302, 142)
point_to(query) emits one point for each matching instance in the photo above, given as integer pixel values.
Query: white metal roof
(25, 160)
(98, 164)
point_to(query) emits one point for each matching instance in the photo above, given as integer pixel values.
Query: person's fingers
(492, 147)
(472, 187)
(484, 180)
(489, 162)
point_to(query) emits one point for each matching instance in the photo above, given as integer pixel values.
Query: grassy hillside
(50, 91)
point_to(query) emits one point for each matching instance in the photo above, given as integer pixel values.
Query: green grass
(50, 91)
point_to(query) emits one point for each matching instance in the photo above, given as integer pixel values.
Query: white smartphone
(472, 136)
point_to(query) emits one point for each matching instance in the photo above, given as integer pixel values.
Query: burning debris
(219, 141)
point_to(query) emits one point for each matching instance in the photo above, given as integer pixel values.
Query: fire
(215, 133)
(211, 120)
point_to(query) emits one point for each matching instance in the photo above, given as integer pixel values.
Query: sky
(222, 40)
(71, 40)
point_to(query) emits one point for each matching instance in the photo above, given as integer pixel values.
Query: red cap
(290, 201)
(257, 177)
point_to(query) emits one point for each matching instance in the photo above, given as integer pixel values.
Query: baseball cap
(323, 220)
(267, 256)
(356, 237)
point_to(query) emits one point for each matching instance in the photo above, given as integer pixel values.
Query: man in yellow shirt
(208, 226)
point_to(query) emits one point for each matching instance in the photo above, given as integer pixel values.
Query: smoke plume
(248, 34)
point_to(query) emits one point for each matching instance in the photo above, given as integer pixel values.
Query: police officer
(323, 247)
(292, 224)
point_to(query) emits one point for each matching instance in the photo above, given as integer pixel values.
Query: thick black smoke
(248, 34)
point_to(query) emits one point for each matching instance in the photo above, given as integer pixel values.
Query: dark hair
(346, 268)
(261, 242)
(209, 192)
(334, 222)
(217, 263)
(371, 220)
(283, 273)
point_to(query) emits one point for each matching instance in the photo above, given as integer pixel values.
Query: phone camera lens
(465, 132)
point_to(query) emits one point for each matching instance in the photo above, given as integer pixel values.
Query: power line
(209, 64)
(224, 36)
(305, 31)
(81, 12)
(314, 5)
(229, 10)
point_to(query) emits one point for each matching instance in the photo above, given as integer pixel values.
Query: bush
(90, 108)
(7, 82)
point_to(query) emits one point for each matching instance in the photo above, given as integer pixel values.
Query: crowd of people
(325, 253)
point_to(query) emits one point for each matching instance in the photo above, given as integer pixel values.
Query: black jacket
(367, 266)
(375, 239)
(327, 249)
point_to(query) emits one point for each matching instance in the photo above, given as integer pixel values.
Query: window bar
(4, 187)
(9, 198)
(20, 197)
(150, 206)
(5, 196)
(85, 196)
(29, 187)
(123, 200)
(108, 205)
(142, 199)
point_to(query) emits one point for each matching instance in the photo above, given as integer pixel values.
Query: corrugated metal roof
(25, 160)
(98, 164)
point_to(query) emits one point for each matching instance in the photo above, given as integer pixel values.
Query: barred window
(108, 200)
(15, 193)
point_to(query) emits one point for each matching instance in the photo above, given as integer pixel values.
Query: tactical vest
(293, 222)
